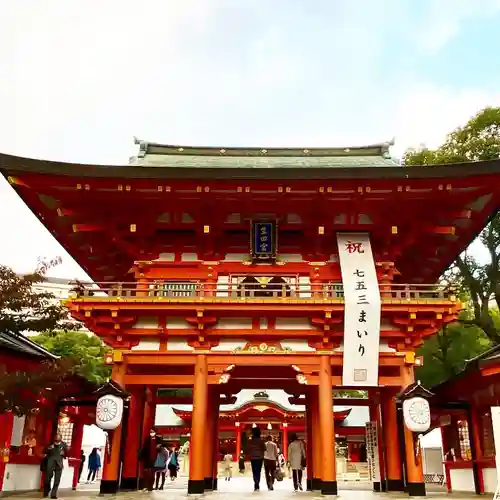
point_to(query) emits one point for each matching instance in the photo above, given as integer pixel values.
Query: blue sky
(79, 79)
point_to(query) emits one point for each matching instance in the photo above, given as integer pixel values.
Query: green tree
(24, 392)
(23, 309)
(446, 353)
(86, 351)
(478, 139)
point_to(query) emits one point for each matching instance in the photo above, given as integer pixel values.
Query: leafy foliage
(446, 353)
(24, 309)
(477, 280)
(23, 392)
(86, 352)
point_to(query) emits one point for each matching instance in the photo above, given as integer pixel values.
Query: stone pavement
(241, 488)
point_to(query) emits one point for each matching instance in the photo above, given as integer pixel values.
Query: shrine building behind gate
(221, 269)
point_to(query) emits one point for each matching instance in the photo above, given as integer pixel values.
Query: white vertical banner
(372, 456)
(361, 310)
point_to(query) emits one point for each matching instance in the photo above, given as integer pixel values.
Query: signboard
(264, 240)
(372, 452)
(361, 310)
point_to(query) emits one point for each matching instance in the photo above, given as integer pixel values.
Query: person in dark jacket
(82, 463)
(54, 456)
(94, 465)
(255, 450)
(148, 458)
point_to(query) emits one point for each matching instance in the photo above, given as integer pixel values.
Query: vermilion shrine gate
(219, 269)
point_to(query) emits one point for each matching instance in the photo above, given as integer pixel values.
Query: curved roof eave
(10, 164)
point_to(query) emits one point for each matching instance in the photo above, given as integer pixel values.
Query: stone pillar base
(329, 488)
(416, 489)
(108, 487)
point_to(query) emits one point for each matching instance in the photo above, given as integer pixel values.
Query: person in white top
(270, 459)
(228, 459)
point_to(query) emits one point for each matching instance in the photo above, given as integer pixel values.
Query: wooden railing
(199, 290)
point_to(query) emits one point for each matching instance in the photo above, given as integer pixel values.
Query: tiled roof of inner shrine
(23, 345)
(161, 155)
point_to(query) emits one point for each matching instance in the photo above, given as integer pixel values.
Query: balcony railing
(241, 292)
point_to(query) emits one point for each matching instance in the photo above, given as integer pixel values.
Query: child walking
(228, 459)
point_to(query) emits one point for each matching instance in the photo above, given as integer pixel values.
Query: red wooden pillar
(216, 454)
(391, 437)
(285, 440)
(238, 442)
(148, 420)
(6, 423)
(134, 429)
(414, 468)
(326, 422)
(196, 482)
(209, 440)
(309, 444)
(111, 461)
(75, 449)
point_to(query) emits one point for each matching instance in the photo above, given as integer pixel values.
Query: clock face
(419, 412)
(106, 410)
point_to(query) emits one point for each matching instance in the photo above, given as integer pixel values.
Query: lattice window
(173, 289)
(487, 436)
(66, 431)
(463, 436)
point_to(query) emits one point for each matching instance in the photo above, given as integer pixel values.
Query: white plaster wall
(67, 477)
(304, 287)
(222, 286)
(226, 345)
(166, 257)
(291, 257)
(385, 324)
(23, 477)
(293, 324)
(189, 257)
(462, 480)
(490, 480)
(146, 322)
(178, 344)
(297, 345)
(177, 323)
(236, 257)
(147, 345)
(234, 323)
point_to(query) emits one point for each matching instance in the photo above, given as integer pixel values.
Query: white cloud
(444, 19)
(80, 79)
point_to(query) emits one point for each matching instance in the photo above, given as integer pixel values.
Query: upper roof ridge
(154, 148)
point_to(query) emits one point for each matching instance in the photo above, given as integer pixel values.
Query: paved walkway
(241, 488)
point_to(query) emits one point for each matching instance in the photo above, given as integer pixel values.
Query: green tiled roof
(159, 155)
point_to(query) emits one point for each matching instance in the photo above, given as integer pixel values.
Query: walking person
(241, 462)
(173, 463)
(228, 470)
(296, 459)
(82, 463)
(255, 450)
(270, 460)
(54, 456)
(148, 458)
(94, 465)
(160, 466)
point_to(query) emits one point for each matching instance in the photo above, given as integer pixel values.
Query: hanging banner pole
(362, 309)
